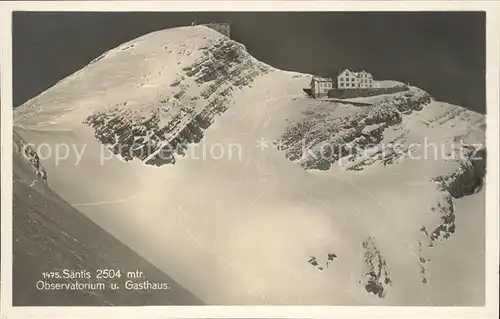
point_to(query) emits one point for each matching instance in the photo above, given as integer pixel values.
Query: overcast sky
(443, 53)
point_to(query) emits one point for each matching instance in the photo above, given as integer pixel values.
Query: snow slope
(211, 174)
(50, 235)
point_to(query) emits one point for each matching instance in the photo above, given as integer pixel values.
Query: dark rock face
(322, 139)
(469, 177)
(447, 217)
(439, 233)
(162, 132)
(423, 261)
(390, 153)
(377, 278)
(23, 151)
(322, 265)
(465, 180)
(409, 102)
(49, 235)
(131, 138)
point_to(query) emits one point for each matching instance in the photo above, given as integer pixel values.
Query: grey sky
(441, 52)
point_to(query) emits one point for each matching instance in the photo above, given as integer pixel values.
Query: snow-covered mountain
(217, 169)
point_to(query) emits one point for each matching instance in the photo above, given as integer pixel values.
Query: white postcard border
(490, 310)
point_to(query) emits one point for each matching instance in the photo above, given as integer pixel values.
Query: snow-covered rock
(23, 152)
(383, 84)
(377, 277)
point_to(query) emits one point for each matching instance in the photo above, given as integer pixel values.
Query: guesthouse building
(348, 79)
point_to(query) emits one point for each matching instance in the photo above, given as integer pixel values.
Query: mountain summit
(217, 169)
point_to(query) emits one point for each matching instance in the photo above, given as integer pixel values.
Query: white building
(354, 80)
(320, 86)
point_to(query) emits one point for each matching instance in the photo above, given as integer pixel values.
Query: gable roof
(356, 74)
(344, 71)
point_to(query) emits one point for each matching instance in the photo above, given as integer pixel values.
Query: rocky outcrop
(469, 176)
(323, 264)
(436, 233)
(447, 226)
(132, 138)
(392, 152)
(25, 152)
(467, 179)
(323, 138)
(163, 129)
(376, 278)
(411, 101)
(423, 262)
